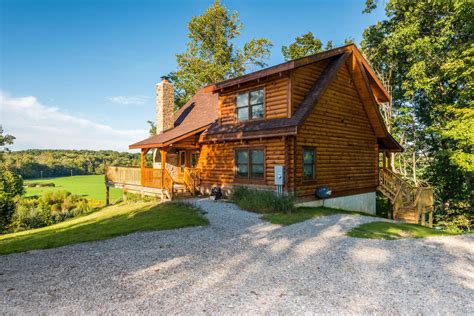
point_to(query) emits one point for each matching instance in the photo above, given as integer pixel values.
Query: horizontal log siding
(217, 161)
(302, 79)
(346, 151)
(276, 100)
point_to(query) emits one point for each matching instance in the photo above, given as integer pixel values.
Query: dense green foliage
(11, 188)
(425, 51)
(211, 55)
(391, 230)
(35, 163)
(306, 45)
(51, 208)
(11, 184)
(262, 201)
(91, 187)
(120, 219)
(304, 213)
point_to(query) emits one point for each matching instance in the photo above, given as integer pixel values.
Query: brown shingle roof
(196, 115)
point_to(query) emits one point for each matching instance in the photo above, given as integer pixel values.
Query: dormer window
(250, 105)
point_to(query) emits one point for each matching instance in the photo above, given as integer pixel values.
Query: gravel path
(239, 264)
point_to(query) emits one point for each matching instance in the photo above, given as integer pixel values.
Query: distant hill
(37, 163)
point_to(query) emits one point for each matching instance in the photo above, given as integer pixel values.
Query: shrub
(53, 207)
(133, 197)
(456, 218)
(262, 201)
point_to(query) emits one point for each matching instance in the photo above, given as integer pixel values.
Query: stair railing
(191, 179)
(402, 193)
(168, 183)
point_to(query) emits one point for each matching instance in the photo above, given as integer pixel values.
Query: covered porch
(172, 172)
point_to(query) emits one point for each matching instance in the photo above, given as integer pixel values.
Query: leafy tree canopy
(211, 55)
(426, 49)
(306, 45)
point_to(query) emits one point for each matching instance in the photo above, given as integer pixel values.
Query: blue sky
(80, 74)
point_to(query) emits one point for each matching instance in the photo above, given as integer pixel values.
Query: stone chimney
(164, 105)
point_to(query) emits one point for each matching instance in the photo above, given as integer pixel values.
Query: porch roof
(194, 117)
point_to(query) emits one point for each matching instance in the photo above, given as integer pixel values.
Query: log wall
(346, 150)
(276, 100)
(217, 161)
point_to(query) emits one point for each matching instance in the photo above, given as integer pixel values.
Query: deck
(151, 181)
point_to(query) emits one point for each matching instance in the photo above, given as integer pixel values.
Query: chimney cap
(165, 78)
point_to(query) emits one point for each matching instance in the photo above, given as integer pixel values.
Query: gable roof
(378, 87)
(195, 116)
(283, 126)
(200, 114)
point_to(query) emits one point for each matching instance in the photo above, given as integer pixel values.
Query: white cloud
(128, 100)
(37, 126)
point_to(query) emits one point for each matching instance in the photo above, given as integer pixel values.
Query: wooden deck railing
(152, 178)
(123, 175)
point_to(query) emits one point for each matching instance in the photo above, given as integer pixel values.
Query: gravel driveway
(239, 264)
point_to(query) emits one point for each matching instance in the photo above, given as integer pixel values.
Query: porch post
(142, 159)
(163, 165)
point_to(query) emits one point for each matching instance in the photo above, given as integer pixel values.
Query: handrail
(403, 194)
(191, 179)
(168, 183)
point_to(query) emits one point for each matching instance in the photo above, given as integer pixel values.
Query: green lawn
(109, 222)
(91, 187)
(304, 213)
(391, 230)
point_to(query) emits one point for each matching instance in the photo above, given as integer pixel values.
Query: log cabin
(304, 124)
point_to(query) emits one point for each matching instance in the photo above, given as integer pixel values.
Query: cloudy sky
(80, 74)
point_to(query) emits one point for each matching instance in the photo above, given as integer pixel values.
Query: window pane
(257, 170)
(257, 156)
(242, 157)
(308, 172)
(242, 114)
(308, 156)
(243, 99)
(256, 97)
(242, 170)
(257, 111)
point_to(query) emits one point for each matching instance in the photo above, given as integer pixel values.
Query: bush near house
(262, 201)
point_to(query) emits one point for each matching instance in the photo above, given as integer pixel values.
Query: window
(309, 156)
(249, 163)
(250, 105)
(194, 159)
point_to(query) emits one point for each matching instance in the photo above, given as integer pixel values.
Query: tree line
(36, 163)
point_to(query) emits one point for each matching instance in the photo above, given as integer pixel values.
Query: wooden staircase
(411, 202)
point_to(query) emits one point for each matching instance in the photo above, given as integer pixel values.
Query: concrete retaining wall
(359, 202)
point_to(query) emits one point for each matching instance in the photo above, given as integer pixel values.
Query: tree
(426, 48)
(11, 186)
(152, 129)
(211, 55)
(306, 45)
(303, 45)
(4, 140)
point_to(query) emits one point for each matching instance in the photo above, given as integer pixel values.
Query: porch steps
(411, 202)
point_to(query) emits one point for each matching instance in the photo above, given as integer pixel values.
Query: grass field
(120, 219)
(91, 187)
